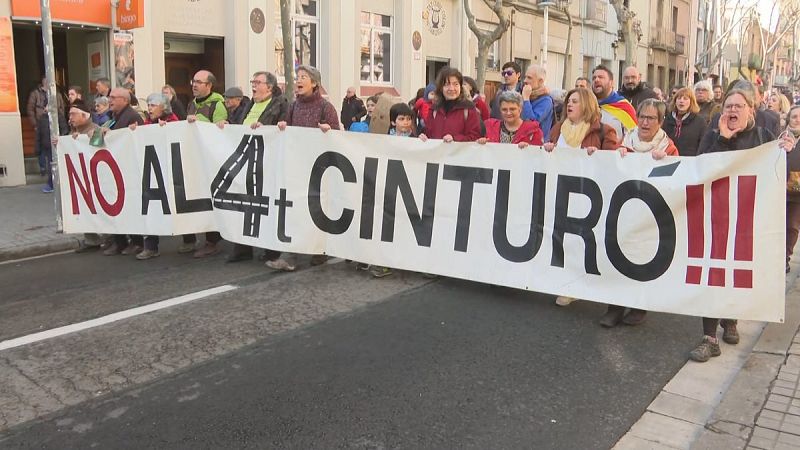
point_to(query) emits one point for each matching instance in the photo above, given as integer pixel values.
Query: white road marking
(30, 258)
(128, 313)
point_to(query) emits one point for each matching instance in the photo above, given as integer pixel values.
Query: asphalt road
(322, 358)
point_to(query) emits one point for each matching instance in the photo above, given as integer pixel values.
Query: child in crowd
(402, 119)
(363, 126)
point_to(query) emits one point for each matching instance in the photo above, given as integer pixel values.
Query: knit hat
(233, 92)
(81, 106)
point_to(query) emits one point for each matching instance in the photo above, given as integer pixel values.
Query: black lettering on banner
(665, 221)
(397, 180)
(468, 176)
(322, 163)
(252, 203)
(368, 197)
(158, 193)
(582, 227)
(182, 205)
(282, 204)
(531, 247)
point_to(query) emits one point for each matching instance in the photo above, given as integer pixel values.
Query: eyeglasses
(198, 82)
(734, 106)
(257, 82)
(507, 73)
(648, 119)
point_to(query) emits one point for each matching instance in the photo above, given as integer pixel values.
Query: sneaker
(612, 317)
(318, 260)
(729, 332)
(147, 254)
(132, 249)
(112, 250)
(705, 350)
(186, 247)
(564, 301)
(47, 189)
(634, 317)
(280, 264)
(380, 271)
(362, 266)
(207, 250)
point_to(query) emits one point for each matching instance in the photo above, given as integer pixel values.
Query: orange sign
(130, 14)
(8, 78)
(95, 12)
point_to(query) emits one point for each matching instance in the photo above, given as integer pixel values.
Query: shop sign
(95, 12)
(8, 79)
(130, 14)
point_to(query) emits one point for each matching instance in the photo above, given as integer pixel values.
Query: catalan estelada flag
(619, 107)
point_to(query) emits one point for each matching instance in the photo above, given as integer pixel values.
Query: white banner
(675, 235)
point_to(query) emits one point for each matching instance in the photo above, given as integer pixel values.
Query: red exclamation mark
(720, 222)
(743, 243)
(695, 208)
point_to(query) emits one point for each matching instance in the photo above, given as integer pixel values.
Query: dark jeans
(47, 153)
(151, 242)
(212, 237)
(792, 227)
(41, 153)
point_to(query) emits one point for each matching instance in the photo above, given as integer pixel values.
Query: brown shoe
(112, 250)
(634, 317)
(612, 317)
(730, 335)
(132, 249)
(317, 260)
(207, 250)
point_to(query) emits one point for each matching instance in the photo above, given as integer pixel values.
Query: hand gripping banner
(701, 236)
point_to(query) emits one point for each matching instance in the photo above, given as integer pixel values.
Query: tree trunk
(625, 18)
(480, 67)
(567, 51)
(288, 48)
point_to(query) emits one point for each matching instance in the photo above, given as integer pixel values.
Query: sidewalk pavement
(747, 398)
(28, 223)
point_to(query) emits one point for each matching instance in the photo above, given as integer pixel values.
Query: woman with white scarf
(648, 137)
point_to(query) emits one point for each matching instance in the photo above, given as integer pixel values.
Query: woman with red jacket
(512, 129)
(453, 116)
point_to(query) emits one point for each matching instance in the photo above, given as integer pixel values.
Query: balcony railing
(664, 39)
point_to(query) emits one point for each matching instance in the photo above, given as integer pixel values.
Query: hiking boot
(562, 300)
(634, 317)
(708, 348)
(729, 332)
(317, 260)
(147, 254)
(112, 250)
(132, 249)
(280, 264)
(209, 249)
(380, 271)
(612, 317)
(186, 247)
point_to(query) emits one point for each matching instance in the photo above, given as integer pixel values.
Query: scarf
(660, 142)
(679, 123)
(574, 134)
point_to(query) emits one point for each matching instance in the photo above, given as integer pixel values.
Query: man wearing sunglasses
(511, 73)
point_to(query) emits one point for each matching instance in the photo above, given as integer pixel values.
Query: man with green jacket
(207, 106)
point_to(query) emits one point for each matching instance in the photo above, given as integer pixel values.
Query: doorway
(185, 55)
(433, 66)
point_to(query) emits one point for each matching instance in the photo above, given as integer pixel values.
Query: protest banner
(701, 236)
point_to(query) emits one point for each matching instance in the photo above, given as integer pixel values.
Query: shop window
(376, 48)
(305, 26)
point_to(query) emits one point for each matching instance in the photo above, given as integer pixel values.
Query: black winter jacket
(749, 138)
(687, 138)
(275, 112)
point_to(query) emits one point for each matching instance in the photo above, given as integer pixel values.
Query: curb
(715, 405)
(38, 249)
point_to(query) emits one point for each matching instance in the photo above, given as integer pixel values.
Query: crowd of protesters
(592, 116)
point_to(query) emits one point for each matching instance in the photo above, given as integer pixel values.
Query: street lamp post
(546, 4)
(52, 105)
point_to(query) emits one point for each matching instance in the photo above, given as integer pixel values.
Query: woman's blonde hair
(783, 102)
(685, 92)
(588, 102)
